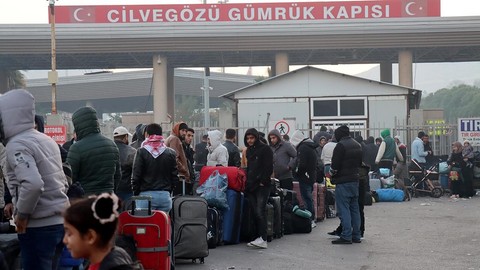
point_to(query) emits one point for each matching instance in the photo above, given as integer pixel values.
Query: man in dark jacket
(127, 154)
(283, 159)
(201, 153)
(323, 132)
(259, 171)
(94, 158)
(155, 169)
(370, 153)
(346, 161)
(233, 151)
(306, 169)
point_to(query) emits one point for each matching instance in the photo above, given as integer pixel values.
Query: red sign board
(57, 133)
(295, 11)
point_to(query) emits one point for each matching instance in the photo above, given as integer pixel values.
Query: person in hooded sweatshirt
(217, 153)
(174, 141)
(94, 158)
(155, 169)
(35, 179)
(257, 190)
(139, 136)
(387, 152)
(306, 168)
(346, 162)
(283, 159)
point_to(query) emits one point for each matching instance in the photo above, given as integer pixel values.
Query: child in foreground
(90, 226)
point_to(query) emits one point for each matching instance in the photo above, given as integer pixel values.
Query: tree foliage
(11, 79)
(458, 101)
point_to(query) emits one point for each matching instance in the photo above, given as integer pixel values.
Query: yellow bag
(329, 183)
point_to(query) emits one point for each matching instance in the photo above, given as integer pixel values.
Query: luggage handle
(142, 198)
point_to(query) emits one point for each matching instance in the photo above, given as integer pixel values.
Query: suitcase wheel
(201, 260)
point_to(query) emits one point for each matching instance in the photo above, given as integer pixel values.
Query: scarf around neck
(154, 144)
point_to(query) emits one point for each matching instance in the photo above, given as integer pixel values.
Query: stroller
(421, 179)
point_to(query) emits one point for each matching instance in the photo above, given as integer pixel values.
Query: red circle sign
(282, 127)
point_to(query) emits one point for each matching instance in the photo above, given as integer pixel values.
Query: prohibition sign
(282, 127)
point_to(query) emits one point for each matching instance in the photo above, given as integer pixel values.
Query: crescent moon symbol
(407, 8)
(75, 14)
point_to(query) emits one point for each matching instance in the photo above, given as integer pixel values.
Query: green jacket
(94, 158)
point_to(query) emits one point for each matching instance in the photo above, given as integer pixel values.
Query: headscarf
(154, 144)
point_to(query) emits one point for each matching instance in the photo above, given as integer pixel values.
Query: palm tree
(11, 79)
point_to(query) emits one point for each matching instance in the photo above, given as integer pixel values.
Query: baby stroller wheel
(437, 192)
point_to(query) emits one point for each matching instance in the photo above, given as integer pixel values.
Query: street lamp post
(53, 75)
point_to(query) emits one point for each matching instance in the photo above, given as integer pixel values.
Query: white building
(310, 97)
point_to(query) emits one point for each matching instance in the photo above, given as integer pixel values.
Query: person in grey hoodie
(217, 153)
(36, 181)
(283, 159)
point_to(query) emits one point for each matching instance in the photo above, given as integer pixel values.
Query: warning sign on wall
(283, 126)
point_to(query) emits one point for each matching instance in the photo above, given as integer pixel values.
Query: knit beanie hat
(340, 132)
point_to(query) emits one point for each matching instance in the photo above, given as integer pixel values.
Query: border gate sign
(469, 129)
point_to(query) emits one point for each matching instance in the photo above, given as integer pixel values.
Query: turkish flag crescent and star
(415, 8)
(77, 14)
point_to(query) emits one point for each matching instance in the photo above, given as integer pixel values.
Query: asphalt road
(424, 233)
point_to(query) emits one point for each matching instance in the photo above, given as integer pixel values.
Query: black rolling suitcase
(278, 227)
(215, 227)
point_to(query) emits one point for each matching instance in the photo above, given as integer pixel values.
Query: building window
(339, 108)
(325, 108)
(352, 107)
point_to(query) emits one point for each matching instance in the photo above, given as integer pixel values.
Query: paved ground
(425, 233)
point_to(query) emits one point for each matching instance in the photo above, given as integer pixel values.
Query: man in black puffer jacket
(94, 158)
(259, 171)
(306, 168)
(346, 161)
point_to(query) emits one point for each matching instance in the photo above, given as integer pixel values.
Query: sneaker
(259, 243)
(334, 233)
(342, 241)
(314, 224)
(254, 241)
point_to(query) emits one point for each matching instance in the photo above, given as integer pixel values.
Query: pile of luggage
(194, 226)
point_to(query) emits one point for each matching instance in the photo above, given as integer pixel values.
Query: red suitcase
(318, 195)
(236, 176)
(151, 230)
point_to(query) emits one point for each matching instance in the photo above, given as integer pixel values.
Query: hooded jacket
(217, 153)
(388, 148)
(259, 162)
(283, 156)
(173, 141)
(94, 158)
(34, 167)
(346, 159)
(306, 168)
(139, 136)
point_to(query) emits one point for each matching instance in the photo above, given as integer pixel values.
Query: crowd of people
(147, 163)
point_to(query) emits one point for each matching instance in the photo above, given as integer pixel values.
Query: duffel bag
(390, 195)
(236, 176)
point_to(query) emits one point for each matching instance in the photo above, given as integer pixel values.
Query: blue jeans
(346, 199)
(38, 246)
(258, 200)
(124, 195)
(161, 200)
(306, 192)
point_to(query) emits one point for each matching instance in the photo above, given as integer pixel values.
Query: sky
(36, 12)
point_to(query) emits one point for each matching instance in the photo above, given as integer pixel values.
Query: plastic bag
(214, 190)
(384, 172)
(388, 182)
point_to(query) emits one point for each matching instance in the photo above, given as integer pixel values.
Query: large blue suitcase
(232, 218)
